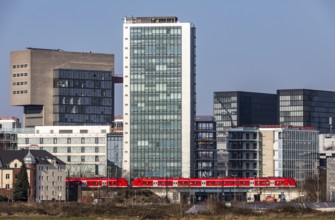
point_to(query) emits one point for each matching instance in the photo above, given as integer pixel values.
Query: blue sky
(258, 45)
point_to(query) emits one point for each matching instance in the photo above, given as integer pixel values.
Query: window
(7, 186)
(55, 149)
(96, 150)
(82, 159)
(15, 165)
(69, 140)
(96, 158)
(27, 140)
(69, 149)
(83, 140)
(41, 140)
(68, 158)
(83, 149)
(96, 169)
(7, 176)
(25, 74)
(55, 140)
(97, 140)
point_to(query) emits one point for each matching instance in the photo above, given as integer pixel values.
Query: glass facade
(83, 97)
(155, 101)
(244, 108)
(298, 157)
(114, 154)
(301, 107)
(205, 147)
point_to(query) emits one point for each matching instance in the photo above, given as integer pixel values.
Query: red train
(214, 182)
(186, 182)
(98, 182)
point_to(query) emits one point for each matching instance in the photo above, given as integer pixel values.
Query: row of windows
(20, 74)
(68, 140)
(82, 149)
(47, 168)
(41, 188)
(82, 158)
(20, 92)
(20, 83)
(59, 178)
(20, 66)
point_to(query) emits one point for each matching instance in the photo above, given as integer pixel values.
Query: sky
(242, 45)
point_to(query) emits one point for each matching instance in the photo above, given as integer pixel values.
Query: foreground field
(163, 211)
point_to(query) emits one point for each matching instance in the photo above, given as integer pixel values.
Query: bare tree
(315, 187)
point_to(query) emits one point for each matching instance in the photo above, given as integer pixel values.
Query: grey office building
(304, 107)
(238, 108)
(56, 87)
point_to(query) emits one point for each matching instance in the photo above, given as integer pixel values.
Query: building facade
(290, 152)
(244, 152)
(304, 107)
(239, 108)
(8, 132)
(56, 87)
(205, 152)
(82, 148)
(159, 96)
(46, 174)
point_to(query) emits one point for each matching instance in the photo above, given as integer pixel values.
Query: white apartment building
(82, 148)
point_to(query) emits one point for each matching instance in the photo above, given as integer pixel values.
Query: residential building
(83, 148)
(56, 87)
(305, 107)
(205, 147)
(8, 128)
(244, 152)
(9, 123)
(159, 96)
(46, 174)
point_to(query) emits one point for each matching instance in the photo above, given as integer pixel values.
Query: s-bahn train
(214, 182)
(97, 182)
(262, 182)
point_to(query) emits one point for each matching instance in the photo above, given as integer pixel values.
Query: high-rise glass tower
(159, 97)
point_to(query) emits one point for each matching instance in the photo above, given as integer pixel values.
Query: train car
(160, 182)
(99, 182)
(261, 182)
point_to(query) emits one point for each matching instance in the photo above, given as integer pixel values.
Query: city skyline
(241, 46)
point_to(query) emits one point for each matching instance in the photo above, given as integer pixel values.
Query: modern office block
(56, 87)
(290, 152)
(238, 108)
(205, 152)
(82, 148)
(304, 107)
(114, 154)
(159, 96)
